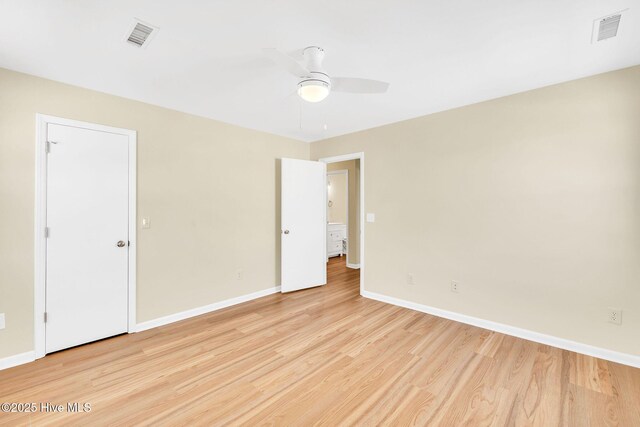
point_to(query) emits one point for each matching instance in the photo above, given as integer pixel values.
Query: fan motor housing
(313, 56)
(316, 78)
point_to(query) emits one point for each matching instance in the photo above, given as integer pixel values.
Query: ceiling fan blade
(284, 60)
(354, 85)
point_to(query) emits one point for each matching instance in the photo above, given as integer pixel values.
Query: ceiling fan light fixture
(313, 90)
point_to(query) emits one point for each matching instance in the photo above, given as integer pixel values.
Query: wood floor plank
(327, 357)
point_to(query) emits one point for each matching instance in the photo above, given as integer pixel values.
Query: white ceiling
(207, 60)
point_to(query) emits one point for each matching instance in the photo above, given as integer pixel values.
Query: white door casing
(85, 260)
(303, 222)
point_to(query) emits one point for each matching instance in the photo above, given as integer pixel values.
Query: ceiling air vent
(606, 27)
(140, 33)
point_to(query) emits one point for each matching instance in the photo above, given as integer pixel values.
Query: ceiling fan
(315, 84)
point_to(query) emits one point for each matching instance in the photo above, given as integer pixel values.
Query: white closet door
(87, 244)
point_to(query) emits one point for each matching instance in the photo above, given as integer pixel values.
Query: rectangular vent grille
(140, 34)
(608, 27)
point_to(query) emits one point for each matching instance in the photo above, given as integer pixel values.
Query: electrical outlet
(455, 286)
(614, 315)
(239, 274)
(410, 280)
(1, 320)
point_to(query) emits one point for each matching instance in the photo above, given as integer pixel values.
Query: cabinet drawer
(334, 246)
(336, 235)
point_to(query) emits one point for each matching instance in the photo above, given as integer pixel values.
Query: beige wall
(209, 188)
(353, 170)
(531, 202)
(337, 195)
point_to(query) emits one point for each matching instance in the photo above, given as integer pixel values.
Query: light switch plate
(371, 217)
(146, 222)
(1, 320)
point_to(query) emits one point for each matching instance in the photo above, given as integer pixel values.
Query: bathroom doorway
(344, 212)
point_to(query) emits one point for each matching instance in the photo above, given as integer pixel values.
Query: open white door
(304, 224)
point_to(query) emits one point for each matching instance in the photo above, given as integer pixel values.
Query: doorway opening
(304, 225)
(338, 224)
(345, 214)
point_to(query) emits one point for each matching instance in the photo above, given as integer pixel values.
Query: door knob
(286, 232)
(120, 244)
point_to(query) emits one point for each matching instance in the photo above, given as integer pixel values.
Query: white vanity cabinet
(336, 233)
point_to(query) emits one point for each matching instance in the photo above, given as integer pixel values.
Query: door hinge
(49, 146)
(45, 317)
(46, 232)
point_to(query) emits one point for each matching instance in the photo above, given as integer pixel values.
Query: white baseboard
(17, 359)
(589, 350)
(161, 321)
(354, 266)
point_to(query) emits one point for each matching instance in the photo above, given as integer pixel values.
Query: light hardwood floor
(324, 356)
